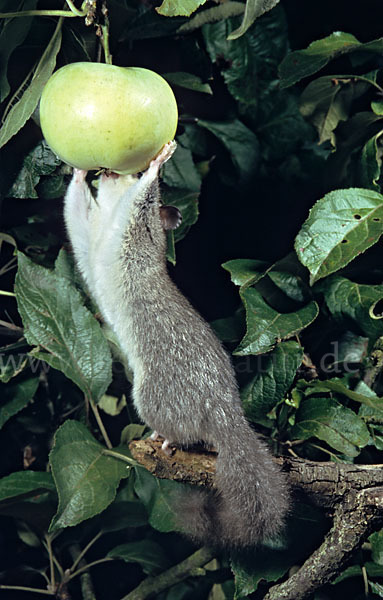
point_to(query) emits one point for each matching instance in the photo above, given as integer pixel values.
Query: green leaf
(223, 11)
(25, 484)
(40, 161)
(112, 405)
(373, 570)
(122, 514)
(237, 62)
(56, 320)
(353, 303)
(13, 360)
(253, 10)
(266, 327)
(376, 588)
(246, 271)
(370, 164)
(52, 187)
(179, 8)
(376, 541)
(351, 136)
(86, 479)
(180, 172)
(340, 226)
(328, 420)
(302, 63)
(327, 100)
(158, 497)
(275, 376)
(15, 396)
(187, 203)
(12, 35)
(229, 330)
(188, 81)
(241, 143)
(377, 107)
(147, 553)
(21, 112)
(367, 399)
(133, 431)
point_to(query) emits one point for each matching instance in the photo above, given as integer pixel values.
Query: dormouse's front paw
(163, 156)
(79, 175)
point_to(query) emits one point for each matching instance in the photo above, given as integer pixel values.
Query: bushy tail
(251, 498)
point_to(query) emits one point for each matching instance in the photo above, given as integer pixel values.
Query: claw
(166, 448)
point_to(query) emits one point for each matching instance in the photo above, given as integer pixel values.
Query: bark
(352, 493)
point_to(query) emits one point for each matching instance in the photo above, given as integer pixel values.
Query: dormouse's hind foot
(167, 447)
(166, 444)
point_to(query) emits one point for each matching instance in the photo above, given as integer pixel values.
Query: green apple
(95, 115)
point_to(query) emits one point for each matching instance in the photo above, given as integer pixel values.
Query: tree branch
(191, 566)
(354, 493)
(354, 519)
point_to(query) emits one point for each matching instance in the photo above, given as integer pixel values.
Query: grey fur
(184, 384)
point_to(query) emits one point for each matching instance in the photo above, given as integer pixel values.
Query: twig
(190, 567)
(354, 519)
(89, 566)
(11, 326)
(26, 589)
(122, 457)
(100, 424)
(48, 541)
(80, 554)
(86, 583)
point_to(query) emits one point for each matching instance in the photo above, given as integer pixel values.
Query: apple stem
(105, 35)
(105, 44)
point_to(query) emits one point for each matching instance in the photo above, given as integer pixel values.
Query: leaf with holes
(266, 326)
(327, 420)
(340, 226)
(56, 320)
(354, 305)
(86, 479)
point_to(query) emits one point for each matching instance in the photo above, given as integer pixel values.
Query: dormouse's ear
(171, 217)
